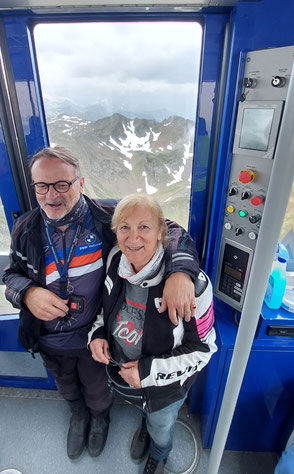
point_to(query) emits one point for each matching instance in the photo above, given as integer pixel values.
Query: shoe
(77, 436)
(97, 435)
(140, 443)
(154, 467)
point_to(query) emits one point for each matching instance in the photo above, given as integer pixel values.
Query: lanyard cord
(63, 269)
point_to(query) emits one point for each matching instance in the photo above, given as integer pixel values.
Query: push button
(242, 213)
(246, 176)
(230, 209)
(257, 200)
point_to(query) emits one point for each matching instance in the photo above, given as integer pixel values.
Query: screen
(232, 272)
(256, 128)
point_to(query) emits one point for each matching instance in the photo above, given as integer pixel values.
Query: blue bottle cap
(283, 255)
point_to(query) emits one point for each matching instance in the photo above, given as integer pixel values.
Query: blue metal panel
(208, 88)
(258, 25)
(19, 46)
(266, 398)
(9, 342)
(7, 189)
(265, 401)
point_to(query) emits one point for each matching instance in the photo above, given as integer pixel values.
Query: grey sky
(131, 66)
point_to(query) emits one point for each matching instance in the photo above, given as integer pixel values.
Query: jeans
(160, 426)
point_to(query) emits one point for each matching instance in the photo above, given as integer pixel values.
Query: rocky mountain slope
(121, 155)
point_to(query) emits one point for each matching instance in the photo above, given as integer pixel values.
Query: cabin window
(287, 230)
(5, 306)
(123, 98)
(4, 234)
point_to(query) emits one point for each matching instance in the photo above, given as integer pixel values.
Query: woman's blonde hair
(127, 205)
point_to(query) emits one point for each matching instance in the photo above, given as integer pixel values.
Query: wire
(235, 316)
(195, 461)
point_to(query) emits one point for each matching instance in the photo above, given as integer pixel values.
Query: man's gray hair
(58, 152)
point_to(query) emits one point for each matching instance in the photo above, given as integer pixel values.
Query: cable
(235, 316)
(195, 461)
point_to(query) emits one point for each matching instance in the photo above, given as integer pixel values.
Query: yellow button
(230, 209)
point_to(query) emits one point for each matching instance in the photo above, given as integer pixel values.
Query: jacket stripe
(204, 326)
(77, 271)
(85, 259)
(108, 283)
(75, 261)
(187, 257)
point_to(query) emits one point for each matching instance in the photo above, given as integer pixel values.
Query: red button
(246, 176)
(256, 200)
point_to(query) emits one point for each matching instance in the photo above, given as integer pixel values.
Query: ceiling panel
(31, 4)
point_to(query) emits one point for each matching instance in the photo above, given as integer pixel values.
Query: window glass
(5, 306)
(4, 232)
(122, 97)
(288, 224)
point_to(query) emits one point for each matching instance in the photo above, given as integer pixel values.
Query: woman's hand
(178, 297)
(99, 349)
(130, 373)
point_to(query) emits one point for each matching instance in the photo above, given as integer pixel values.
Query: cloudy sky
(123, 66)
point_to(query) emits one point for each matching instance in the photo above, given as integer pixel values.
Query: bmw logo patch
(90, 238)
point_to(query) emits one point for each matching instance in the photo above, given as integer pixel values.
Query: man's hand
(179, 297)
(44, 304)
(130, 373)
(99, 349)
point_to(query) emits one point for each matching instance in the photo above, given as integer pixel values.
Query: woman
(150, 361)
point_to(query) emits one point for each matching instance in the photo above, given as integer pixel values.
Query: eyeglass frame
(69, 183)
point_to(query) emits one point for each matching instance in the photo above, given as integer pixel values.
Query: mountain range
(59, 105)
(120, 155)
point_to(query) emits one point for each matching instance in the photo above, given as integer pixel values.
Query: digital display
(256, 128)
(233, 272)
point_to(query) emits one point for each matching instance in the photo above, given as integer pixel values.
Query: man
(55, 277)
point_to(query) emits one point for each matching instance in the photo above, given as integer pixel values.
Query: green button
(242, 213)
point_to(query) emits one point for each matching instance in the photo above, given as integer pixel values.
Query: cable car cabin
(191, 102)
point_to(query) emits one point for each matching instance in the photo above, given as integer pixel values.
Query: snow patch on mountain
(177, 175)
(149, 189)
(133, 142)
(128, 165)
(155, 135)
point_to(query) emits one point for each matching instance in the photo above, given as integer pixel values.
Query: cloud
(151, 62)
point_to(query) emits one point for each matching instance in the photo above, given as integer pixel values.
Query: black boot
(97, 435)
(77, 435)
(154, 467)
(140, 443)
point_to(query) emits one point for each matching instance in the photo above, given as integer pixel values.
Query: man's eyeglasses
(59, 186)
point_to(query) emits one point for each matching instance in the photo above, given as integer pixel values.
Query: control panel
(260, 110)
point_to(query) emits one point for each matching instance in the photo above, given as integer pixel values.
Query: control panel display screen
(256, 128)
(233, 272)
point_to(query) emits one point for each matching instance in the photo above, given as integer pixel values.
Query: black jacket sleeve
(22, 272)
(181, 254)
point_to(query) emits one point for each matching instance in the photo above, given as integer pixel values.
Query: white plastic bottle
(277, 280)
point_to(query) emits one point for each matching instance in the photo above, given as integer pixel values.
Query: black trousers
(81, 381)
